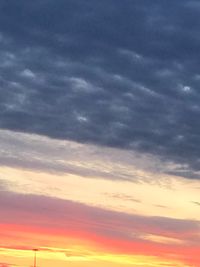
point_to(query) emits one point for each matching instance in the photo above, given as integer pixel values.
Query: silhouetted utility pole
(35, 250)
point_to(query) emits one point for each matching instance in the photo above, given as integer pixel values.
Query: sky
(99, 133)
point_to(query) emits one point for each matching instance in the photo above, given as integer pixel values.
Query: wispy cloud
(196, 203)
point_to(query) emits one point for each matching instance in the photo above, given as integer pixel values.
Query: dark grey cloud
(114, 73)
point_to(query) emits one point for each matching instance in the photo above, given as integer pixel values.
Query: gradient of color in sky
(99, 133)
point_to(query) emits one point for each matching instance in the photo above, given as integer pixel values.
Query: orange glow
(77, 248)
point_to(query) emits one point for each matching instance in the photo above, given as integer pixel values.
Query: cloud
(72, 217)
(124, 197)
(127, 80)
(40, 154)
(196, 203)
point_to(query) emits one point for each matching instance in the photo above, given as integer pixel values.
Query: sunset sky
(100, 133)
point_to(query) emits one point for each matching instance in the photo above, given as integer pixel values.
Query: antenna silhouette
(35, 256)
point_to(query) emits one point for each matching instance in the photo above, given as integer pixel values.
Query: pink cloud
(110, 230)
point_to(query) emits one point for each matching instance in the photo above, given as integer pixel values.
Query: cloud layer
(122, 74)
